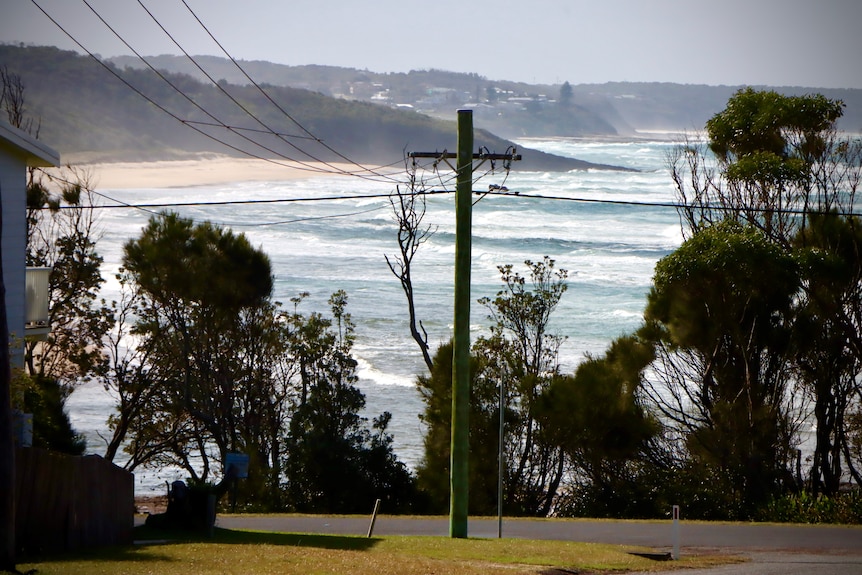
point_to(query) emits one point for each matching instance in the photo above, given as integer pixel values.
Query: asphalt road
(772, 549)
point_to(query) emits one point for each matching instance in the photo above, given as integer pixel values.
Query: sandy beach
(200, 172)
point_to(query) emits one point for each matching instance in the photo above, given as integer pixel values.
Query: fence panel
(65, 502)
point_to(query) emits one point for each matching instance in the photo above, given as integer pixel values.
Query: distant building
(18, 151)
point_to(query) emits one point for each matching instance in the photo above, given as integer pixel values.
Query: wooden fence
(65, 503)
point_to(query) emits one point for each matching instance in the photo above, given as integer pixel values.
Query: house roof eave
(36, 153)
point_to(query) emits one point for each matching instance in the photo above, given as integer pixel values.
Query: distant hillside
(616, 108)
(510, 109)
(661, 106)
(88, 114)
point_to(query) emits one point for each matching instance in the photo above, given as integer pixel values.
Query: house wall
(13, 183)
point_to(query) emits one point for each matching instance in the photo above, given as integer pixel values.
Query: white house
(18, 150)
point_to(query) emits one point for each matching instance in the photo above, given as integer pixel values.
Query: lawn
(237, 552)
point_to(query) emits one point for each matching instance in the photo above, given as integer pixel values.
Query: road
(772, 549)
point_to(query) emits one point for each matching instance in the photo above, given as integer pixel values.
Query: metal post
(373, 519)
(500, 458)
(459, 477)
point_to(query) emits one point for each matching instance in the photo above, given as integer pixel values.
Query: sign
(239, 461)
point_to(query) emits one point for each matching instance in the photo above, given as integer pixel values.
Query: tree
(722, 303)
(409, 211)
(826, 335)
(524, 355)
(566, 94)
(770, 149)
(432, 475)
(219, 368)
(522, 346)
(783, 167)
(598, 419)
(200, 286)
(62, 231)
(333, 464)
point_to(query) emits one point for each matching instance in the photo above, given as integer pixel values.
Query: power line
(150, 100)
(305, 219)
(191, 125)
(266, 94)
(492, 191)
(269, 201)
(242, 107)
(674, 205)
(188, 98)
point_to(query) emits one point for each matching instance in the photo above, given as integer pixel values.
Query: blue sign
(239, 461)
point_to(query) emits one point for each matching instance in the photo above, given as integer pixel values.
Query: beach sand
(200, 172)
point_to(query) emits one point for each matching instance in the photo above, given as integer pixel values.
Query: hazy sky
(812, 43)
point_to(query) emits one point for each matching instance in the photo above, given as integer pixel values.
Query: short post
(675, 533)
(373, 518)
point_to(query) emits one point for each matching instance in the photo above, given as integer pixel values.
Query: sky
(809, 43)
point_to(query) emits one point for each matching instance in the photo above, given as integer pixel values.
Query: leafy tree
(783, 167)
(62, 232)
(45, 400)
(827, 339)
(597, 417)
(723, 303)
(522, 353)
(333, 463)
(772, 151)
(522, 345)
(219, 368)
(432, 475)
(200, 287)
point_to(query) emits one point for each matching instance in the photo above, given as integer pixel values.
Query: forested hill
(89, 114)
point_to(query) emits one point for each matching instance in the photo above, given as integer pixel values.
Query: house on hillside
(18, 151)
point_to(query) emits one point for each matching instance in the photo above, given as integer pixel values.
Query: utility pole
(460, 441)
(460, 447)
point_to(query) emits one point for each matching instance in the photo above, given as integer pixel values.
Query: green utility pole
(460, 447)
(460, 442)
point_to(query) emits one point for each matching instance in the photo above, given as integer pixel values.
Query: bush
(845, 508)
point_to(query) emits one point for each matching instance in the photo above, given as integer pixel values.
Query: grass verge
(234, 552)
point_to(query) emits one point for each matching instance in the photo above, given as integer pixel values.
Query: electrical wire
(268, 97)
(191, 125)
(493, 190)
(153, 102)
(267, 128)
(429, 192)
(305, 219)
(674, 205)
(219, 123)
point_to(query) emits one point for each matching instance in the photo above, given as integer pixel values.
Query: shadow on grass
(322, 541)
(149, 542)
(238, 537)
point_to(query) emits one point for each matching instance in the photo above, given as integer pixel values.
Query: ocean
(609, 250)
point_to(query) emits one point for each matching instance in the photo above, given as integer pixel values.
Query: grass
(234, 552)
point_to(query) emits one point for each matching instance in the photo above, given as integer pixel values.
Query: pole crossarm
(444, 155)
